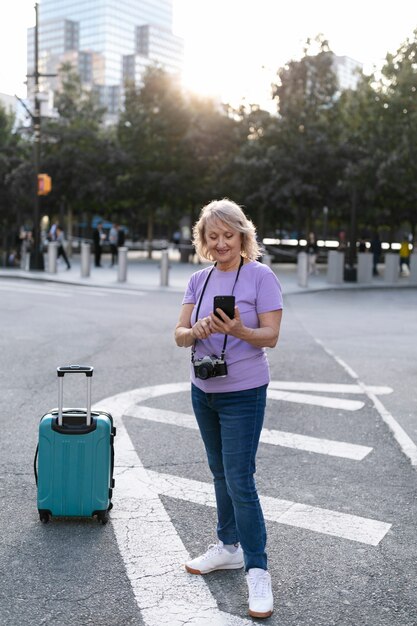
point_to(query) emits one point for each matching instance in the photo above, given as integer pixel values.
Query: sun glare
(233, 50)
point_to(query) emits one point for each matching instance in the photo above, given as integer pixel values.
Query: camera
(209, 367)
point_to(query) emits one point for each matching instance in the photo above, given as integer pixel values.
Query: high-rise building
(106, 41)
(347, 71)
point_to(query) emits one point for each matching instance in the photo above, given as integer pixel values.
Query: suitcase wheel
(103, 517)
(44, 517)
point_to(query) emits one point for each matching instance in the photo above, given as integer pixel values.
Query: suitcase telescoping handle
(74, 369)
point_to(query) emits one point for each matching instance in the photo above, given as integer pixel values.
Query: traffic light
(44, 184)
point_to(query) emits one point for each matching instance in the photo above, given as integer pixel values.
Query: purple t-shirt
(257, 291)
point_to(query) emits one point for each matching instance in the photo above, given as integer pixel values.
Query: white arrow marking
(313, 518)
(152, 549)
(405, 442)
(274, 437)
(304, 398)
(327, 387)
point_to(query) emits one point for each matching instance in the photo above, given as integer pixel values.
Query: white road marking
(274, 437)
(27, 289)
(115, 291)
(326, 387)
(65, 290)
(150, 546)
(405, 442)
(317, 519)
(324, 401)
(165, 594)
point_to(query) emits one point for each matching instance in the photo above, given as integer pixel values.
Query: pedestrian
(52, 236)
(312, 250)
(60, 239)
(228, 388)
(98, 238)
(376, 248)
(113, 240)
(120, 237)
(405, 256)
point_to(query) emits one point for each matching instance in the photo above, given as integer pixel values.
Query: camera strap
(201, 299)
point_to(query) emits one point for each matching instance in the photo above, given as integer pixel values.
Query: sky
(233, 48)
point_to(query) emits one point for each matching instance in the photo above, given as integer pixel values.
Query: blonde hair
(232, 215)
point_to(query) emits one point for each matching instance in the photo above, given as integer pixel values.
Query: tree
(151, 131)
(79, 153)
(397, 169)
(306, 139)
(16, 181)
(211, 143)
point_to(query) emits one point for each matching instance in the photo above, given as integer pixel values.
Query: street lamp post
(350, 269)
(37, 257)
(325, 214)
(36, 262)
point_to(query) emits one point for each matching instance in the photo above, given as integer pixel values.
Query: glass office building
(107, 42)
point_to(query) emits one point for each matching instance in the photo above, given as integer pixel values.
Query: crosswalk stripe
(274, 437)
(327, 387)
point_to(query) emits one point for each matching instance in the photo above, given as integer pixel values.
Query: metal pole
(302, 269)
(85, 259)
(164, 268)
(350, 273)
(37, 256)
(52, 256)
(121, 264)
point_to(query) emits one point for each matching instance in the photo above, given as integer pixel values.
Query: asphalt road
(339, 493)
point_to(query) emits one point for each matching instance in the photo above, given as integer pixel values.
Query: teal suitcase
(75, 458)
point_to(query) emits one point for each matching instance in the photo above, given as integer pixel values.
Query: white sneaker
(261, 601)
(216, 557)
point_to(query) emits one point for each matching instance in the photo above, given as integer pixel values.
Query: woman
(229, 404)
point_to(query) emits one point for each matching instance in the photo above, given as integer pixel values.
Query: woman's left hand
(225, 325)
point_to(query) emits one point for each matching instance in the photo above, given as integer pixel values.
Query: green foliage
(16, 184)
(171, 151)
(304, 144)
(78, 152)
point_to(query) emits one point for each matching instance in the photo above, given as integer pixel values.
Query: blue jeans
(230, 425)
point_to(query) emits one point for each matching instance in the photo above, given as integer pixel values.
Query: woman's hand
(225, 325)
(202, 328)
(266, 336)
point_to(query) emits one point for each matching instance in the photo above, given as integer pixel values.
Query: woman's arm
(185, 334)
(266, 336)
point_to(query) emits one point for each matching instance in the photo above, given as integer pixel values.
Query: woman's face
(224, 243)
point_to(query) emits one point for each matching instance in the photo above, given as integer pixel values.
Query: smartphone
(226, 304)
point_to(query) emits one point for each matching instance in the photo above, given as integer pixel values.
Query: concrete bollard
(335, 267)
(122, 264)
(25, 259)
(52, 256)
(364, 268)
(164, 268)
(392, 267)
(413, 269)
(302, 269)
(85, 259)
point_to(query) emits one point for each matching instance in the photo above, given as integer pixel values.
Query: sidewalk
(145, 274)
